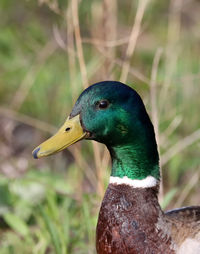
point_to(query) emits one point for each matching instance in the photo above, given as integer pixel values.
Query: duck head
(113, 114)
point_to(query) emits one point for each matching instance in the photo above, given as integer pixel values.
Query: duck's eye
(103, 104)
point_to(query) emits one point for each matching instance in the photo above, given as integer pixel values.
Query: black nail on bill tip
(35, 153)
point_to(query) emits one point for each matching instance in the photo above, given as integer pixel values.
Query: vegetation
(50, 51)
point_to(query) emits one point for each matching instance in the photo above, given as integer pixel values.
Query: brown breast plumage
(131, 222)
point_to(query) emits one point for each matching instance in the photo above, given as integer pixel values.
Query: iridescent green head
(113, 114)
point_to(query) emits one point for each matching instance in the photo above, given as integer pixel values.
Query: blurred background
(50, 50)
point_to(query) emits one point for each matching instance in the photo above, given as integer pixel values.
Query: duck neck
(136, 161)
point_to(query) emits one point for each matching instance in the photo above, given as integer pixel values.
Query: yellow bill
(68, 134)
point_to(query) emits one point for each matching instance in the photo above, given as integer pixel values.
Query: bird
(130, 220)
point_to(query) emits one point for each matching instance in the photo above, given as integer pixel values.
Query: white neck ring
(147, 182)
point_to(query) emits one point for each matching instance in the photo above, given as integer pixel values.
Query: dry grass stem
(61, 42)
(29, 79)
(135, 73)
(71, 57)
(99, 169)
(153, 93)
(133, 38)
(109, 28)
(164, 138)
(27, 120)
(172, 50)
(75, 18)
(187, 189)
(179, 146)
(108, 43)
(52, 4)
(84, 166)
(58, 38)
(105, 159)
(154, 109)
(69, 48)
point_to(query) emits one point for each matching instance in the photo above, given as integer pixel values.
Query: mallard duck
(131, 220)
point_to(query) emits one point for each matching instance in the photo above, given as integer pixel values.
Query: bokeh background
(50, 50)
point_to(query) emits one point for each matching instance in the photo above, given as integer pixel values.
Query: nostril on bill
(68, 129)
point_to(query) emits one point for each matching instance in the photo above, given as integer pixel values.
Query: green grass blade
(52, 231)
(16, 223)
